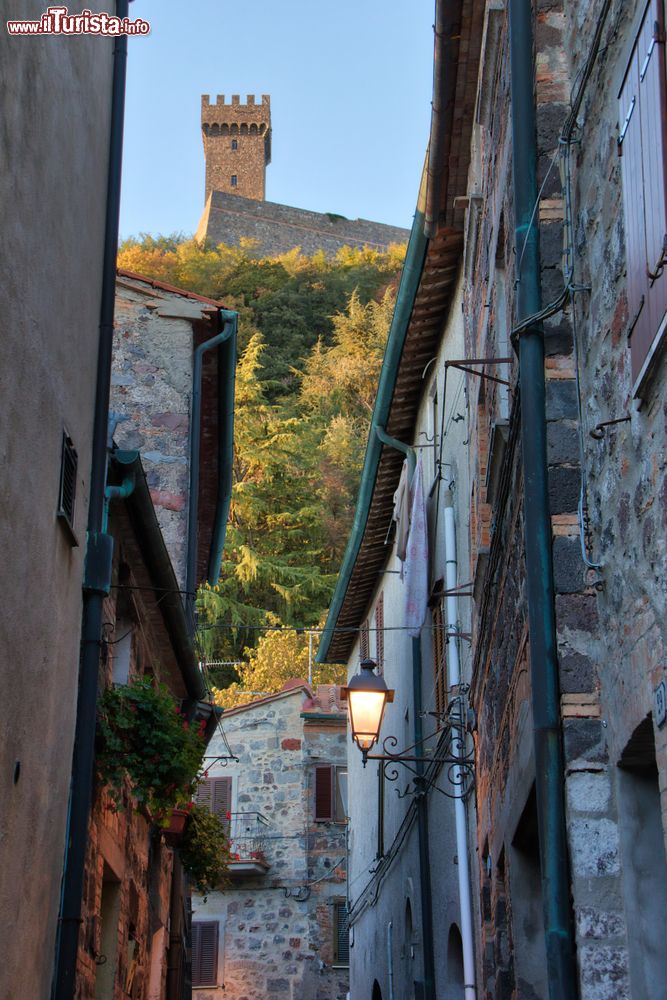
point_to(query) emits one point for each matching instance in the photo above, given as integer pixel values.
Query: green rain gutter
(405, 300)
(549, 771)
(225, 341)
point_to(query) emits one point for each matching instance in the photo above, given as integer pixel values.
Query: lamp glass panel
(366, 708)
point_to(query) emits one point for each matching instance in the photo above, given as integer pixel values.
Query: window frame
(234, 180)
(326, 781)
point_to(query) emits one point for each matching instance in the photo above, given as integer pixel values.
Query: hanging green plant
(205, 850)
(143, 736)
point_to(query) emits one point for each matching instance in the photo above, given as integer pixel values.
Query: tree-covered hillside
(311, 338)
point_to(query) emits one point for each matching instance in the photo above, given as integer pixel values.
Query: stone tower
(237, 145)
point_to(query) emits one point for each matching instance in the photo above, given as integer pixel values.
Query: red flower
(228, 815)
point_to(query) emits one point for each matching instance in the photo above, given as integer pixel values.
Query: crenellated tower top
(237, 144)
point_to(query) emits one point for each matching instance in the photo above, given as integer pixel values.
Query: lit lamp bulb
(366, 694)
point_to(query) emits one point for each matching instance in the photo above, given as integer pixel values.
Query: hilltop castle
(237, 150)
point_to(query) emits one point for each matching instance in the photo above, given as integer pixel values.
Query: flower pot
(177, 823)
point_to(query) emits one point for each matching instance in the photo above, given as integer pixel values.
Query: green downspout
(549, 771)
(226, 340)
(407, 291)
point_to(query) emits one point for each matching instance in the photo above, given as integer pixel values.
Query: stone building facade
(55, 97)
(237, 150)
(278, 928)
(237, 145)
(158, 329)
(599, 91)
(606, 491)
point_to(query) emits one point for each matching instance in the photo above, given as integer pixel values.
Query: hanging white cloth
(416, 562)
(402, 513)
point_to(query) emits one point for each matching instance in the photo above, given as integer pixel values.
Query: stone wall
(151, 397)
(278, 228)
(275, 929)
(237, 144)
(610, 641)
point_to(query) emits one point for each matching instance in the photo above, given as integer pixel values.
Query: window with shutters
(642, 147)
(216, 794)
(205, 953)
(439, 665)
(341, 933)
(364, 650)
(330, 793)
(379, 633)
(67, 492)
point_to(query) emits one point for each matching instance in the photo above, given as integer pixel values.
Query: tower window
(234, 180)
(235, 144)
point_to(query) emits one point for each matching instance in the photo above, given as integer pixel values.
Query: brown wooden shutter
(204, 953)
(379, 633)
(363, 641)
(439, 669)
(643, 145)
(216, 795)
(324, 792)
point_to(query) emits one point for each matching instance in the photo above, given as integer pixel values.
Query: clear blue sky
(350, 85)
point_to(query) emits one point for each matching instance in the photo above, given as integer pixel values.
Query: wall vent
(68, 469)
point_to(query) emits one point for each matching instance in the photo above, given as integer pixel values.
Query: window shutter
(643, 145)
(363, 641)
(216, 795)
(341, 934)
(67, 491)
(439, 671)
(379, 633)
(324, 792)
(204, 953)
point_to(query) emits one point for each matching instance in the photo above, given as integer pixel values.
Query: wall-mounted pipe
(549, 770)
(459, 736)
(226, 340)
(390, 958)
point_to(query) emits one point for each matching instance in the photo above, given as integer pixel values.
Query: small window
(67, 494)
(216, 795)
(234, 180)
(364, 651)
(341, 933)
(379, 633)
(121, 650)
(205, 953)
(330, 793)
(439, 665)
(235, 143)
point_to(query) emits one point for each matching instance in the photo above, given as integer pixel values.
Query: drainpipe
(549, 771)
(459, 735)
(426, 894)
(390, 958)
(226, 341)
(97, 570)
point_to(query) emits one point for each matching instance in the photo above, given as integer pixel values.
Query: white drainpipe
(458, 733)
(390, 959)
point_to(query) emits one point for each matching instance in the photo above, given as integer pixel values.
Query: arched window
(235, 143)
(377, 992)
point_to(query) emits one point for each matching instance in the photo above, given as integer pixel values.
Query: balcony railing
(248, 835)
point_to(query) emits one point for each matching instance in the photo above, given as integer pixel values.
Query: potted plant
(176, 824)
(144, 738)
(205, 850)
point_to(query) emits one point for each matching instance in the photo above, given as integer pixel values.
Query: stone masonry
(237, 145)
(276, 934)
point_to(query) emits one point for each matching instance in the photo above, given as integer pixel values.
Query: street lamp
(367, 695)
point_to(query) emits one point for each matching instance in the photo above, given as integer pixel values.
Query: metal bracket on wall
(463, 365)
